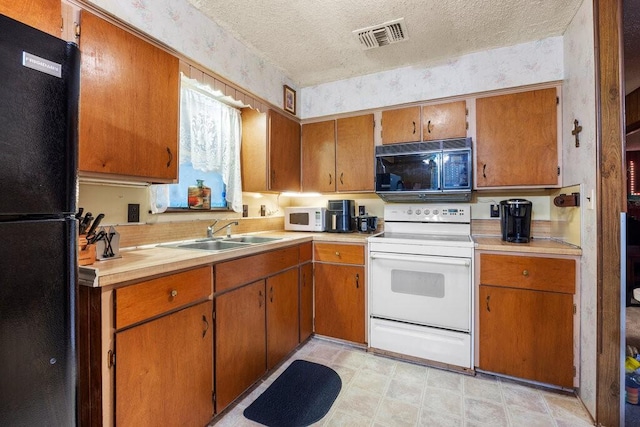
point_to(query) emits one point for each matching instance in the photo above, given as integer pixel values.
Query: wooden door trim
(610, 202)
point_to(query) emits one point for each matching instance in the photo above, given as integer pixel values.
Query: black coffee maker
(515, 220)
(340, 216)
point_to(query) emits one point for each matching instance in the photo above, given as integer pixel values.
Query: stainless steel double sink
(225, 244)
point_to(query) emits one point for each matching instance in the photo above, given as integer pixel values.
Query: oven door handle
(436, 260)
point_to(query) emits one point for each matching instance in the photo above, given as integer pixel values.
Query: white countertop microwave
(304, 218)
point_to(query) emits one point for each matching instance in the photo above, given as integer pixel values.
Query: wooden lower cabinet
(339, 301)
(527, 317)
(527, 334)
(240, 341)
(282, 316)
(164, 370)
(306, 301)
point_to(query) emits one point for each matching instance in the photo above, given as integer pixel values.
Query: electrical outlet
(133, 213)
(495, 211)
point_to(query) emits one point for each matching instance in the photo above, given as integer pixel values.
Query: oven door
(424, 290)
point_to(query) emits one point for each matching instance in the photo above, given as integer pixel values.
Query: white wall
(519, 65)
(184, 28)
(579, 166)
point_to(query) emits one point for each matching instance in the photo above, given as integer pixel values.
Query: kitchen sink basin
(252, 239)
(213, 245)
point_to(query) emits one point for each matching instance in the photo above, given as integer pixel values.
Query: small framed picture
(289, 100)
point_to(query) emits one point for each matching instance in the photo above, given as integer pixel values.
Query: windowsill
(187, 210)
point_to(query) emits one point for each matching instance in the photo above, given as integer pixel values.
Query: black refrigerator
(39, 84)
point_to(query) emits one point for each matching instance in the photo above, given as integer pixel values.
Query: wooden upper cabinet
(284, 153)
(319, 156)
(517, 139)
(129, 104)
(45, 15)
(442, 121)
(254, 150)
(355, 153)
(401, 125)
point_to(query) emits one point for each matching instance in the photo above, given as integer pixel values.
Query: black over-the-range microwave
(423, 171)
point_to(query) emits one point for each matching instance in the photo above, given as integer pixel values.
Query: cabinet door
(319, 157)
(401, 125)
(306, 301)
(444, 121)
(284, 153)
(45, 15)
(240, 341)
(354, 153)
(282, 316)
(527, 334)
(254, 150)
(164, 370)
(516, 139)
(339, 298)
(129, 94)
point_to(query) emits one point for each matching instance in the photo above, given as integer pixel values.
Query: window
(210, 134)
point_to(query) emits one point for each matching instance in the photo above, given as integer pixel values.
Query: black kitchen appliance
(366, 223)
(341, 216)
(515, 220)
(38, 197)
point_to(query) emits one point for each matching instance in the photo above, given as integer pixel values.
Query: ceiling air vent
(383, 34)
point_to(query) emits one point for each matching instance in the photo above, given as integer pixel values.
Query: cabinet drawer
(342, 254)
(248, 269)
(537, 273)
(144, 300)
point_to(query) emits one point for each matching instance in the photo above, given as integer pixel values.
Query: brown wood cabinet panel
(527, 334)
(336, 253)
(284, 153)
(254, 150)
(128, 122)
(45, 15)
(442, 121)
(355, 153)
(536, 273)
(305, 252)
(234, 273)
(516, 139)
(151, 298)
(306, 301)
(165, 370)
(319, 156)
(282, 316)
(401, 125)
(339, 301)
(241, 350)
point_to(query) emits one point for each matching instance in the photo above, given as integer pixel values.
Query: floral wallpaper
(578, 164)
(182, 27)
(523, 64)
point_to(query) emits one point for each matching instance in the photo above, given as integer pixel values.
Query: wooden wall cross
(576, 130)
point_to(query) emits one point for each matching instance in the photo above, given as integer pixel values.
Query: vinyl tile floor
(382, 392)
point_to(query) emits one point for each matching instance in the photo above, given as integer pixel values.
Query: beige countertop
(538, 246)
(144, 262)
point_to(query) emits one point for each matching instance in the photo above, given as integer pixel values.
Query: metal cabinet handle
(206, 324)
(173, 293)
(484, 170)
(338, 254)
(525, 273)
(170, 157)
(271, 294)
(330, 179)
(341, 176)
(488, 308)
(414, 127)
(357, 280)
(429, 126)
(260, 299)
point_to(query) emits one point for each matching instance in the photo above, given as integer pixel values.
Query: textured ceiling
(312, 41)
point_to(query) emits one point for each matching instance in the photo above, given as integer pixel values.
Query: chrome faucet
(211, 231)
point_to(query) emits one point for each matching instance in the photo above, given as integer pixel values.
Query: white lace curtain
(210, 135)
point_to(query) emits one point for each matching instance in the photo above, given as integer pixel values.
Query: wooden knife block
(86, 252)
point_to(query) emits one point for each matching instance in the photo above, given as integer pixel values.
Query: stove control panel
(428, 212)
